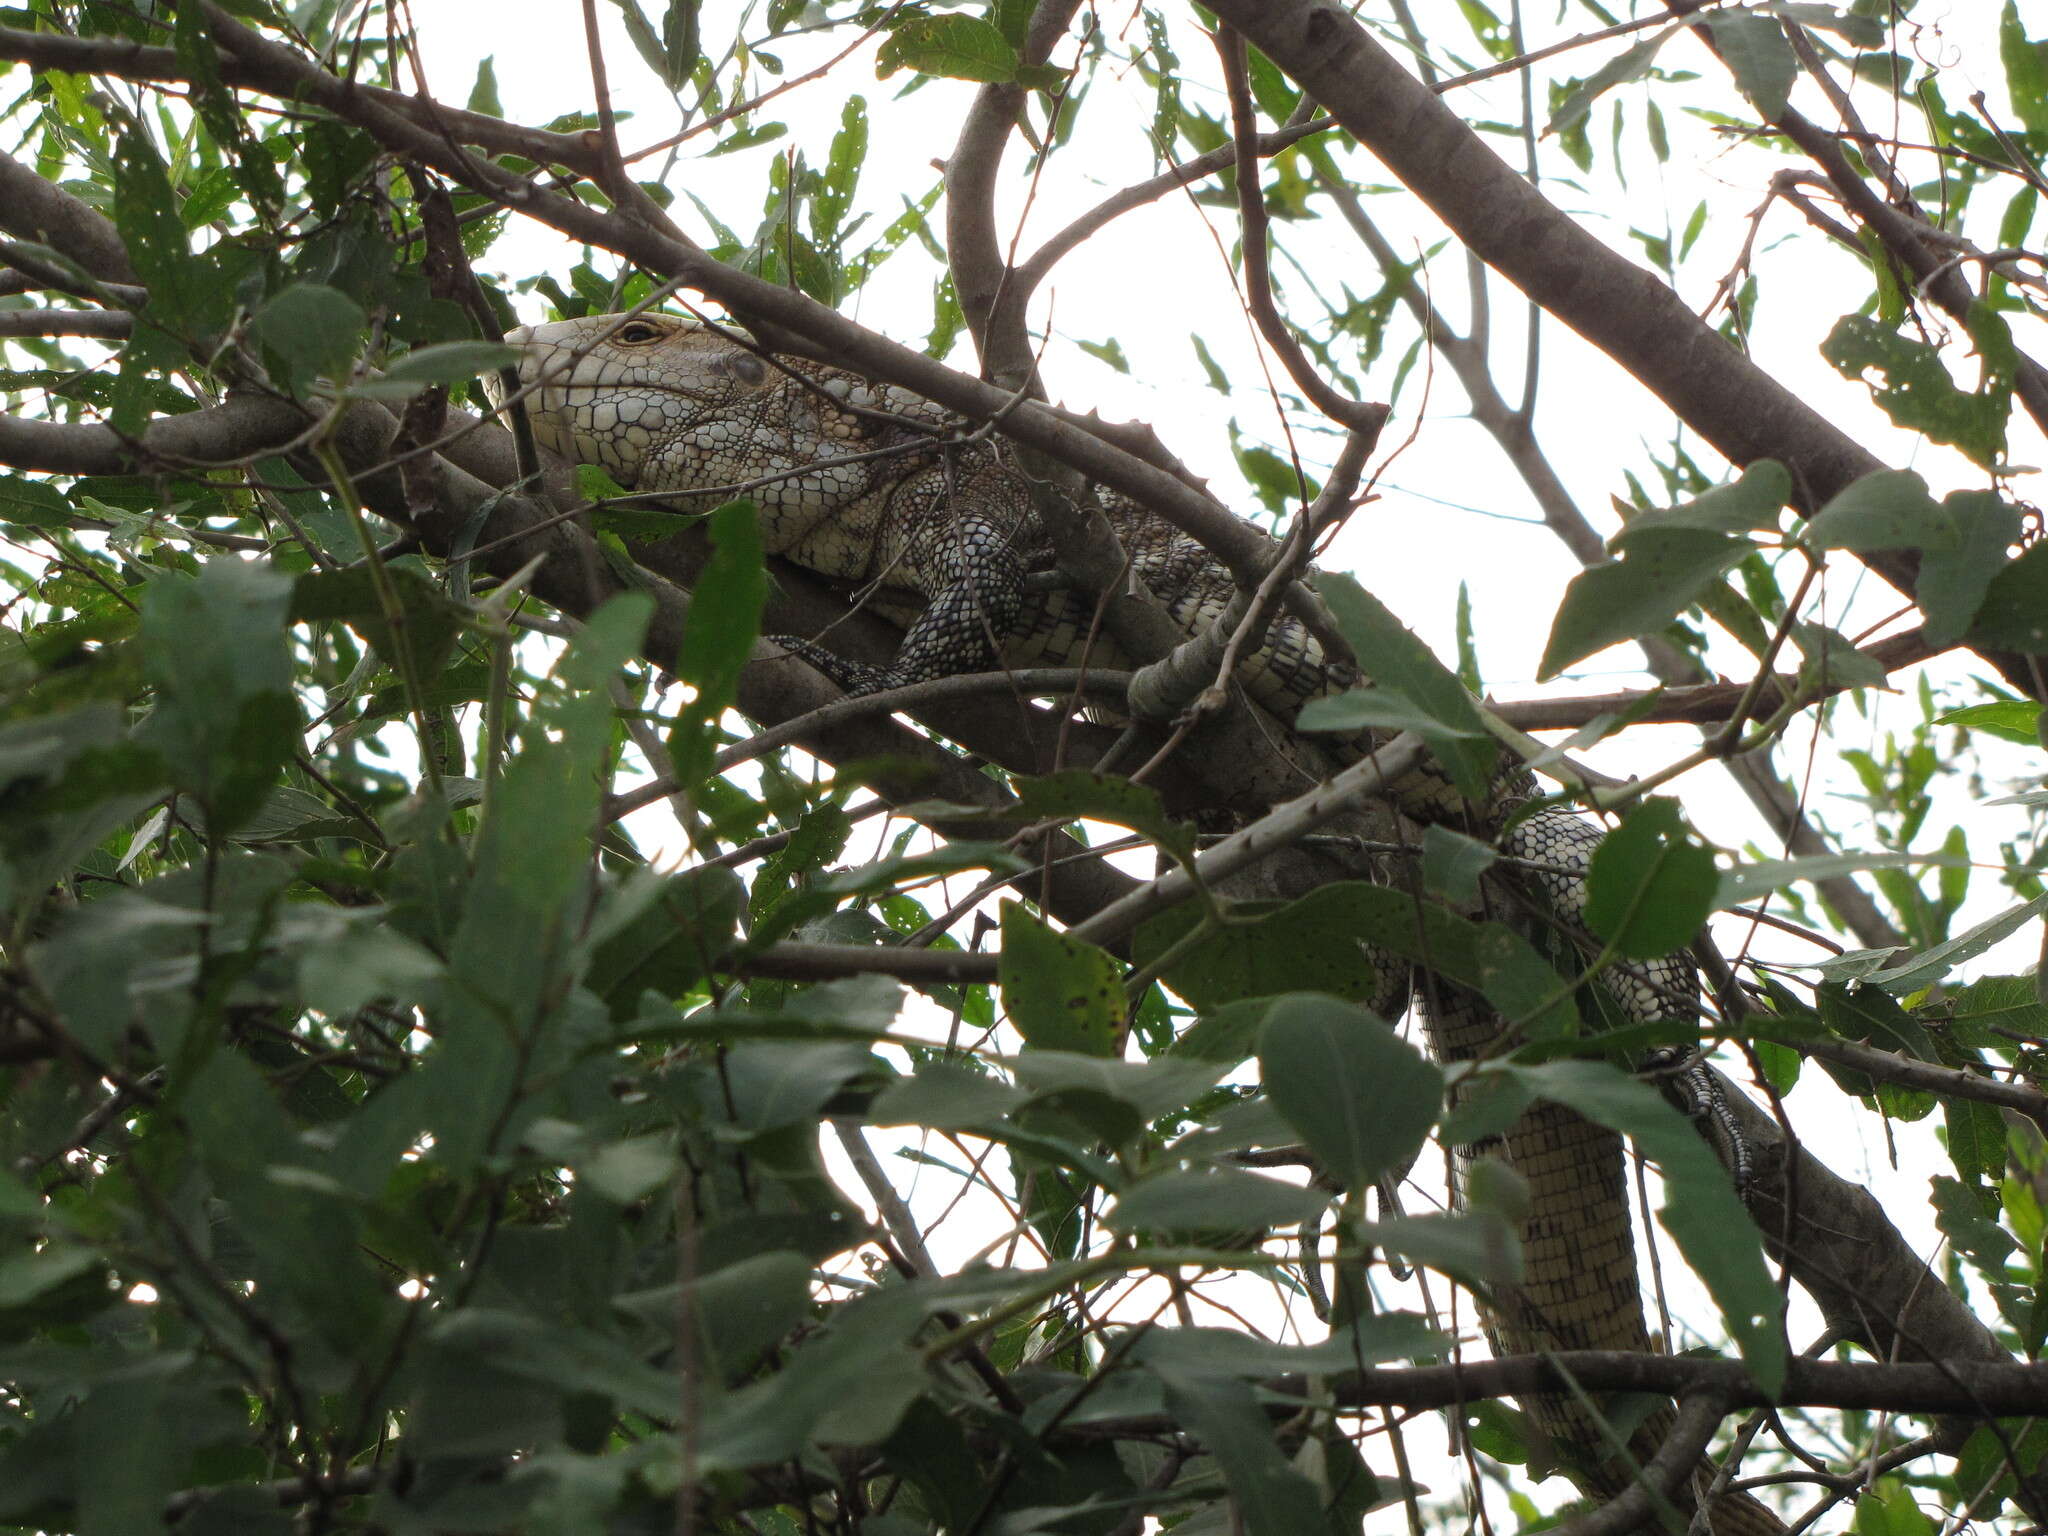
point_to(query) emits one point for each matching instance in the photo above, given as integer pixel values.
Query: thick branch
(1626, 311)
(103, 324)
(40, 210)
(1700, 703)
(991, 299)
(133, 61)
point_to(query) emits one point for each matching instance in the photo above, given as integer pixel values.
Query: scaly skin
(852, 480)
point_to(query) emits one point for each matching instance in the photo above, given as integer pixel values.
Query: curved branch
(1676, 1459)
(991, 300)
(1360, 417)
(1032, 272)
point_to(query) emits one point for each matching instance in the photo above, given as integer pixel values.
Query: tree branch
(1627, 312)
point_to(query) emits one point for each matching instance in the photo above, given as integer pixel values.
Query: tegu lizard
(872, 486)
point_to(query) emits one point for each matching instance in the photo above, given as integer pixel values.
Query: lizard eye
(638, 333)
(747, 368)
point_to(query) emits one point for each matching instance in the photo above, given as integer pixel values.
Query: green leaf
(627, 1171)
(525, 906)
(447, 362)
(1912, 385)
(1889, 509)
(1931, 965)
(1867, 1014)
(1760, 58)
(947, 1097)
(1268, 1495)
(1364, 1341)
(1746, 882)
(2026, 69)
(718, 635)
(1701, 1211)
(225, 719)
(554, 1356)
(1077, 794)
(2014, 613)
(1401, 664)
(34, 504)
(362, 965)
(1651, 883)
(773, 1083)
(1232, 1201)
(849, 153)
(1110, 352)
(1752, 500)
(1866, 32)
(146, 211)
(1313, 945)
(1127, 1095)
(747, 138)
(959, 47)
(1380, 709)
(1452, 863)
(1477, 1247)
(1998, 1002)
(1954, 582)
(742, 1308)
(210, 199)
(662, 937)
(1062, 994)
(1661, 574)
(314, 329)
(679, 47)
(849, 1384)
(1362, 1098)
(483, 95)
(1630, 64)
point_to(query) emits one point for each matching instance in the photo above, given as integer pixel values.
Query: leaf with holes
(1910, 382)
(1063, 994)
(959, 47)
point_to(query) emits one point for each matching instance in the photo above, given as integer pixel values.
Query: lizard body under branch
(934, 525)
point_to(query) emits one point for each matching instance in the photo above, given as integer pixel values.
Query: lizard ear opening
(747, 368)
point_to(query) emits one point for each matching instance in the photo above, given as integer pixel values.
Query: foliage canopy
(447, 1064)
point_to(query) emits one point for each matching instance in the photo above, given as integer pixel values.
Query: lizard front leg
(975, 578)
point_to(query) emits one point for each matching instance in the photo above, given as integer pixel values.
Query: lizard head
(614, 389)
